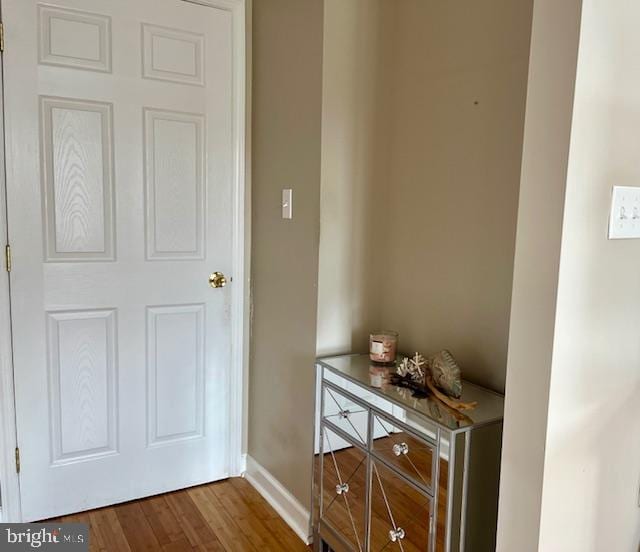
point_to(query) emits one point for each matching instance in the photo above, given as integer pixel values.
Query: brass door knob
(217, 280)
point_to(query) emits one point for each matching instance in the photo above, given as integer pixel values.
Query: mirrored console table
(395, 472)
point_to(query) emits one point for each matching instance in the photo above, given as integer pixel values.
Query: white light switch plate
(624, 220)
(287, 206)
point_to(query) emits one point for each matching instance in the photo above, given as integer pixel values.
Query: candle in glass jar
(383, 346)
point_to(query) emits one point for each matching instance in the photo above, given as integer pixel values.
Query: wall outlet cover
(624, 220)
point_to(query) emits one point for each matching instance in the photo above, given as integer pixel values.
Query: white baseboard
(282, 501)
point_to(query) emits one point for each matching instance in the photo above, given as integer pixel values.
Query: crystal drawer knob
(400, 448)
(344, 414)
(396, 535)
(342, 488)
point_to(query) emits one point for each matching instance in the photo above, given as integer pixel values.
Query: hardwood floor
(231, 516)
(227, 515)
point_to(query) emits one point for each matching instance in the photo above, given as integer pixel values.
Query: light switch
(624, 220)
(287, 206)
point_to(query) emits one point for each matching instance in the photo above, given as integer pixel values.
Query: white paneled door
(120, 171)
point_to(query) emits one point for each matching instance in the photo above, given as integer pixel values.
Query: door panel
(82, 394)
(119, 185)
(72, 38)
(76, 138)
(175, 338)
(175, 170)
(173, 55)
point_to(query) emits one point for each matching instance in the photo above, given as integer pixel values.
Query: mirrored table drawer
(400, 514)
(347, 415)
(363, 394)
(344, 489)
(406, 452)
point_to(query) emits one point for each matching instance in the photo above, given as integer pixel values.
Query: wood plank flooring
(226, 516)
(231, 516)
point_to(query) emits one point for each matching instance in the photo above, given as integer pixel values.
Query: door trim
(10, 510)
(9, 481)
(241, 247)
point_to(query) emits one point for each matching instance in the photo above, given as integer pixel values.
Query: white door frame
(10, 510)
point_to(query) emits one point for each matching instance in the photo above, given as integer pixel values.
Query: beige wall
(571, 454)
(458, 110)
(592, 459)
(570, 459)
(422, 132)
(544, 169)
(287, 88)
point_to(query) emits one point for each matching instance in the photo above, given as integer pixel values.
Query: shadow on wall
(583, 449)
(356, 123)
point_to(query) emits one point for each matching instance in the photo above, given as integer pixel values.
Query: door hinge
(7, 257)
(17, 460)
(1, 36)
